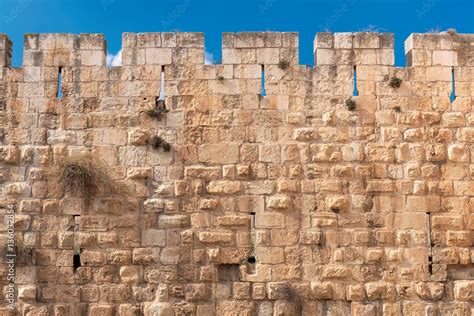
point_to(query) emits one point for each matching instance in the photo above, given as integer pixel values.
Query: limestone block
(158, 309)
(335, 272)
(445, 58)
(130, 274)
(269, 153)
(268, 56)
(305, 134)
(145, 256)
(153, 237)
(325, 152)
(202, 172)
(464, 290)
(154, 205)
(93, 258)
(93, 58)
(128, 310)
(235, 307)
(355, 292)
(218, 153)
(337, 204)
(173, 221)
(325, 57)
(380, 290)
(269, 255)
(458, 153)
(160, 56)
(321, 290)
(27, 293)
(231, 56)
(447, 222)
(224, 187)
(458, 238)
(232, 220)
(217, 236)
(279, 202)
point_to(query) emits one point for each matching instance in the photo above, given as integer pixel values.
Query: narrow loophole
(263, 92)
(76, 261)
(430, 244)
(252, 260)
(452, 97)
(162, 84)
(355, 93)
(59, 92)
(251, 265)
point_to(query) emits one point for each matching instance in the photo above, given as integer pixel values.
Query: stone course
(284, 204)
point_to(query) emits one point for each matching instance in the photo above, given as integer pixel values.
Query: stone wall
(297, 202)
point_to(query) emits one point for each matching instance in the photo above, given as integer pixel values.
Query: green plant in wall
(157, 142)
(395, 82)
(284, 64)
(159, 109)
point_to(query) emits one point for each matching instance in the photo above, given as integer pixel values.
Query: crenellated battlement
(440, 50)
(354, 49)
(266, 48)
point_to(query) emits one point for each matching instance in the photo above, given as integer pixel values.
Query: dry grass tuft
(350, 104)
(81, 175)
(284, 64)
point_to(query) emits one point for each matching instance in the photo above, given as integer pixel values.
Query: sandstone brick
(153, 237)
(463, 290)
(279, 202)
(321, 291)
(224, 187)
(218, 153)
(215, 236)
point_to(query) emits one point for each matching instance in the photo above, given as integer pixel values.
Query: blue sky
(112, 17)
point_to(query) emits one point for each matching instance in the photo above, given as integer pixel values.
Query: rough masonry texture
(283, 204)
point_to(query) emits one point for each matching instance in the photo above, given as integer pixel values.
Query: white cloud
(114, 60)
(208, 58)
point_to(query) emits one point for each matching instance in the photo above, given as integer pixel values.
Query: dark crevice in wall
(430, 245)
(252, 259)
(76, 261)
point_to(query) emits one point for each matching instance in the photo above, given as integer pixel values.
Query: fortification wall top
(266, 48)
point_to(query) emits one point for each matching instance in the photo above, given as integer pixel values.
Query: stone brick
(215, 236)
(218, 153)
(224, 187)
(337, 206)
(279, 202)
(153, 237)
(464, 290)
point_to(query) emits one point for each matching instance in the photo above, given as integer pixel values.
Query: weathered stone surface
(218, 153)
(220, 201)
